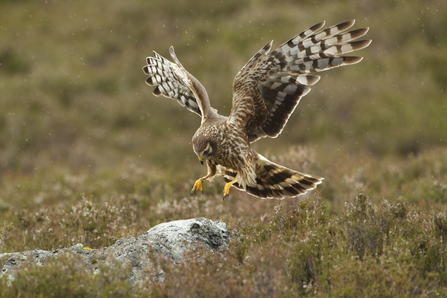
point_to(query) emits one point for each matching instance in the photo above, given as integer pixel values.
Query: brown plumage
(266, 91)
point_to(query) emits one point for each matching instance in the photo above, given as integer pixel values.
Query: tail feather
(274, 181)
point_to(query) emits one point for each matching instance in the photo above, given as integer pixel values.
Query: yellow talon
(226, 191)
(197, 186)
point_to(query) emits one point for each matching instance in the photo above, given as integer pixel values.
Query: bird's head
(204, 149)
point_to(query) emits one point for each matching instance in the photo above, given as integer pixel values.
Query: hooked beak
(201, 160)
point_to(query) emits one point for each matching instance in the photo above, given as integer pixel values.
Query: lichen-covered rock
(172, 238)
(169, 240)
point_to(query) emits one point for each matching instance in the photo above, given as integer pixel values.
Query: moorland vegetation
(88, 155)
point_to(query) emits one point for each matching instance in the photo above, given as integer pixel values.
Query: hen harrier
(266, 91)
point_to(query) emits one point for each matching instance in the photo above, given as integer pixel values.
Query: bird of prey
(266, 91)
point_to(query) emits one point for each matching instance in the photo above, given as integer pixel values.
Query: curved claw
(197, 186)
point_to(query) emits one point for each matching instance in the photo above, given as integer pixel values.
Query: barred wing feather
(171, 82)
(275, 82)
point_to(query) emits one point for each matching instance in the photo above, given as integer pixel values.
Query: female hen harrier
(266, 91)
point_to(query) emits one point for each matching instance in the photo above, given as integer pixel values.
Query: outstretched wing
(269, 87)
(173, 81)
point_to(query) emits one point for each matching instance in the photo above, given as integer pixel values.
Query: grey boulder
(166, 240)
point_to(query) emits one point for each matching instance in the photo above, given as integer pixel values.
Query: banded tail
(274, 181)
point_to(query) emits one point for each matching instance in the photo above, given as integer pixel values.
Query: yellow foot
(226, 191)
(197, 186)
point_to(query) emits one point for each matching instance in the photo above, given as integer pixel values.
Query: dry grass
(88, 155)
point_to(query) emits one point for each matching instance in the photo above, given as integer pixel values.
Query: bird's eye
(207, 150)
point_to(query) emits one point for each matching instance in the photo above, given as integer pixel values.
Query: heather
(88, 155)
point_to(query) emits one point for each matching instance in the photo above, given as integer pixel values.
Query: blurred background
(74, 103)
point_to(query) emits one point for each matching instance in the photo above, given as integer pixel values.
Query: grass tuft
(88, 155)
(67, 276)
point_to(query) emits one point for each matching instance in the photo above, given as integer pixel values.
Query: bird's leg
(211, 172)
(198, 184)
(226, 191)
